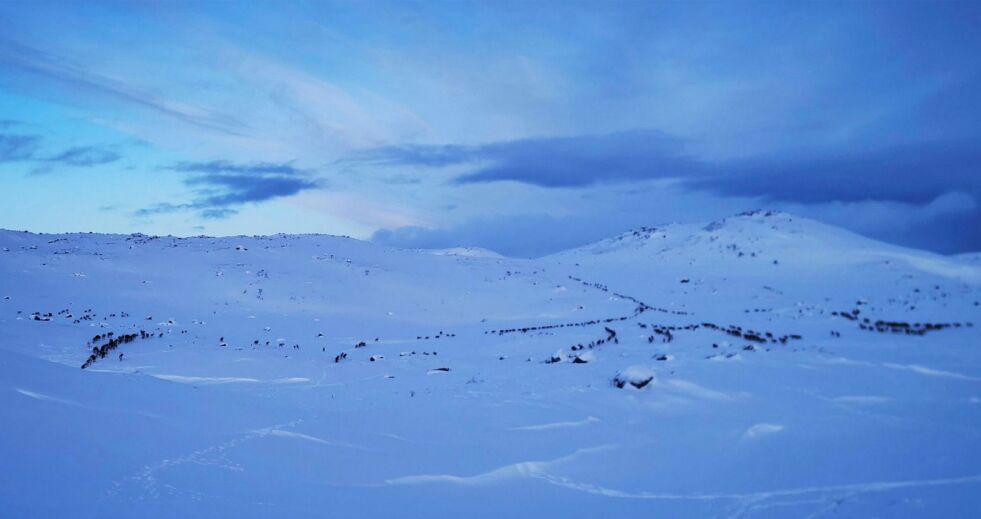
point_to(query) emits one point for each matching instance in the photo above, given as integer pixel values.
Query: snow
(635, 377)
(472, 252)
(768, 395)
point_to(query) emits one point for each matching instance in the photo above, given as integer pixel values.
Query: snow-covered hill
(760, 366)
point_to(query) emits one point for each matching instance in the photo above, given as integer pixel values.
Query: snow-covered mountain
(760, 366)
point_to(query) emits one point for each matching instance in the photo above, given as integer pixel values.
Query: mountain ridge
(759, 217)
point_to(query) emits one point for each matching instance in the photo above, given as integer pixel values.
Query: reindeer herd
(883, 326)
(113, 342)
(102, 345)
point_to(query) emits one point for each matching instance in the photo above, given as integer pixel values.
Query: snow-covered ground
(760, 366)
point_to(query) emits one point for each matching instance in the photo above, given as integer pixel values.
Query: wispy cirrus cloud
(29, 64)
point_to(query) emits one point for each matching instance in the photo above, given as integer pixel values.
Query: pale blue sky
(525, 127)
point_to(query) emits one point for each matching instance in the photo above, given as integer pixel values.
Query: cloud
(162, 208)
(14, 147)
(218, 213)
(762, 429)
(85, 156)
(418, 155)
(806, 99)
(947, 224)
(914, 173)
(921, 194)
(553, 162)
(584, 160)
(222, 185)
(19, 60)
(224, 166)
(24, 148)
(240, 189)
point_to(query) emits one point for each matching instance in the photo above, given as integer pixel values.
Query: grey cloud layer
(914, 173)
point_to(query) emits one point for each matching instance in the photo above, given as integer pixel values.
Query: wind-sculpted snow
(759, 366)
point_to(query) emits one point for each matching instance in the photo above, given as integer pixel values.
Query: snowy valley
(764, 365)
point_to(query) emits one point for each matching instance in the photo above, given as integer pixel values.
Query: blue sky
(525, 127)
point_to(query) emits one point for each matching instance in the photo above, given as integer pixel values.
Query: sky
(523, 127)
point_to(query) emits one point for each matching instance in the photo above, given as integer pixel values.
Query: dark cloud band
(222, 185)
(914, 173)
